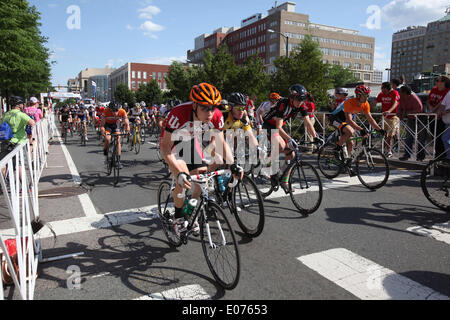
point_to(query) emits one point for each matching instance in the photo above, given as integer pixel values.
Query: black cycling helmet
(115, 106)
(237, 99)
(177, 102)
(66, 106)
(15, 101)
(297, 92)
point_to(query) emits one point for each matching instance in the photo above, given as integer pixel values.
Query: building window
(357, 66)
(139, 75)
(273, 48)
(154, 75)
(358, 75)
(347, 65)
(133, 84)
(145, 75)
(336, 63)
(366, 77)
(133, 74)
(367, 67)
(159, 75)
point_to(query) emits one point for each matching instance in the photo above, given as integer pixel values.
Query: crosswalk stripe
(439, 232)
(365, 279)
(193, 292)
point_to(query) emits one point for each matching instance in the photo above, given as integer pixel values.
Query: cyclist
(65, 118)
(111, 121)
(91, 113)
(265, 107)
(99, 110)
(352, 107)
(340, 95)
(134, 115)
(164, 112)
(201, 113)
(274, 123)
(82, 118)
(237, 118)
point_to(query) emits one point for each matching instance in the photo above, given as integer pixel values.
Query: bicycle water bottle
(189, 207)
(220, 181)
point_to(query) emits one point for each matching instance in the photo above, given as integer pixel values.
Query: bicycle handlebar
(203, 178)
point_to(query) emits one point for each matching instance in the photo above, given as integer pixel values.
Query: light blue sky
(157, 31)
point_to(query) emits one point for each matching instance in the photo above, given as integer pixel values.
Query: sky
(96, 33)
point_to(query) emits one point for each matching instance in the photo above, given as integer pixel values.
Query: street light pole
(285, 36)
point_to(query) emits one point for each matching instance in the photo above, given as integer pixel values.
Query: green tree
(178, 81)
(124, 95)
(304, 67)
(252, 79)
(149, 93)
(24, 65)
(340, 76)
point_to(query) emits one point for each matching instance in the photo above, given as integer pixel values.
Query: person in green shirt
(18, 121)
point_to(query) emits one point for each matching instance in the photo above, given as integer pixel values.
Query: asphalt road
(359, 245)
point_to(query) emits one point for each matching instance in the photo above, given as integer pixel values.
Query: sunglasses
(208, 108)
(239, 108)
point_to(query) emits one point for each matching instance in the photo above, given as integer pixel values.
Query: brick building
(135, 74)
(283, 29)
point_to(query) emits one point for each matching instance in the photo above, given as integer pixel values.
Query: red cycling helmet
(362, 90)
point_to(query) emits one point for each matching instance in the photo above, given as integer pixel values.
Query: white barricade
(424, 133)
(20, 173)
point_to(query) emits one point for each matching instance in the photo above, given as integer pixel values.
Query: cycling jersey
(284, 110)
(353, 106)
(82, 115)
(100, 110)
(232, 124)
(264, 108)
(180, 122)
(65, 116)
(111, 118)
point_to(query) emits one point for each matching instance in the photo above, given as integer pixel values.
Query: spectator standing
(389, 100)
(446, 118)
(34, 113)
(311, 109)
(18, 121)
(434, 105)
(410, 104)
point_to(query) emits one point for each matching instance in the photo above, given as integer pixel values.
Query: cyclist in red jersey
(184, 127)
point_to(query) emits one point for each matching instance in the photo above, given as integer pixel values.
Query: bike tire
(367, 175)
(435, 184)
(327, 163)
(116, 167)
(225, 247)
(249, 216)
(305, 188)
(137, 146)
(166, 208)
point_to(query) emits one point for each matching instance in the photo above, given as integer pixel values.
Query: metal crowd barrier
(20, 171)
(425, 133)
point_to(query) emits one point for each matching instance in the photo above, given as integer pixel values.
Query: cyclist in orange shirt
(352, 107)
(111, 124)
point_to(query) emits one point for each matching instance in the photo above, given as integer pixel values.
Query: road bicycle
(134, 141)
(304, 183)
(371, 165)
(83, 135)
(113, 157)
(435, 183)
(66, 131)
(218, 240)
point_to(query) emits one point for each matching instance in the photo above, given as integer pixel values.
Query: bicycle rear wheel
(116, 167)
(436, 185)
(220, 246)
(328, 164)
(248, 205)
(372, 168)
(166, 212)
(305, 188)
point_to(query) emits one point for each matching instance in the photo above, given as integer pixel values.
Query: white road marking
(439, 232)
(193, 292)
(366, 279)
(85, 200)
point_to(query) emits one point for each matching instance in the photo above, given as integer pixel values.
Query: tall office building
(420, 49)
(282, 29)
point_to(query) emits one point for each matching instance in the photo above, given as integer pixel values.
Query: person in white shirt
(446, 118)
(265, 107)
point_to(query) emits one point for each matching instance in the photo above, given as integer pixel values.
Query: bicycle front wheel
(436, 185)
(248, 205)
(137, 146)
(116, 160)
(329, 165)
(220, 247)
(305, 188)
(166, 212)
(372, 168)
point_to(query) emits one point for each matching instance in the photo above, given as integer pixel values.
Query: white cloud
(129, 27)
(148, 12)
(165, 60)
(403, 13)
(150, 27)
